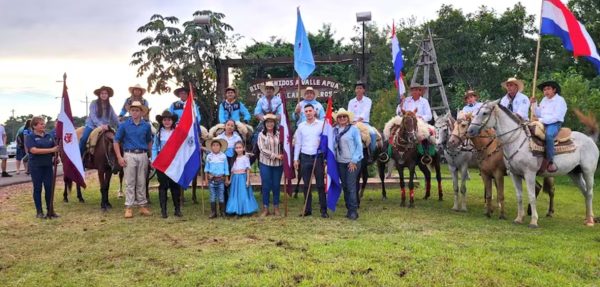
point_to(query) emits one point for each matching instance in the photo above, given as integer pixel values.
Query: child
(216, 171)
(241, 198)
(167, 125)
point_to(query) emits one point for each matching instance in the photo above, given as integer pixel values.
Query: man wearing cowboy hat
(176, 107)
(137, 94)
(101, 115)
(514, 100)
(417, 102)
(348, 155)
(269, 103)
(135, 136)
(231, 108)
(360, 106)
(551, 112)
(309, 98)
(472, 105)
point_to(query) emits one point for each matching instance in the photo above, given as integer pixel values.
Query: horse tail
(590, 122)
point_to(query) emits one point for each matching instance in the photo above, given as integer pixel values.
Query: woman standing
(166, 126)
(270, 163)
(348, 153)
(41, 148)
(101, 115)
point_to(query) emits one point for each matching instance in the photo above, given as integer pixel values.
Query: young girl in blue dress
(241, 198)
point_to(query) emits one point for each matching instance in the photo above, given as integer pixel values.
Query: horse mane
(510, 114)
(590, 123)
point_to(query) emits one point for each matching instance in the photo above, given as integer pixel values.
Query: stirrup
(426, 159)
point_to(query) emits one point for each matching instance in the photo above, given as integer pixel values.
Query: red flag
(285, 137)
(67, 137)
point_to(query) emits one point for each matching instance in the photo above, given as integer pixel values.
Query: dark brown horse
(363, 174)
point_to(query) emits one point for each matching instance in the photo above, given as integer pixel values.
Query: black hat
(360, 83)
(176, 92)
(552, 84)
(230, 88)
(166, 114)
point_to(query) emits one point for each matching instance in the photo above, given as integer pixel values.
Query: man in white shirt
(472, 105)
(514, 100)
(416, 103)
(307, 155)
(3, 151)
(360, 106)
(551, 112)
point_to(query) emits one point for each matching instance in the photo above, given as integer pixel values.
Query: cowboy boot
(145, 211)
(265, 211)
(128, 212)
(213, 210)
(222, 209)
(276, 211)
(177, 204)
(162, 198)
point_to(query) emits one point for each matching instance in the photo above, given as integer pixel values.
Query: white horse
(580, 165)
(459, 159)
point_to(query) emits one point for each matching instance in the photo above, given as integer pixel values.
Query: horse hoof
(411, 205)
(66, 200)
(384, 198)
(120, 195)
(104, 209)
(532, 226)
(440, 199)
(502, 217)
(426, 197)
(108, 206)
(455, 209)
(590, 222)
(81, 200)
(403, 204)
(517, 222)
(463, 210)
(549, 214)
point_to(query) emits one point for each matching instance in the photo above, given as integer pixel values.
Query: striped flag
(180, 157)
(285, 138)
(398, 63)
(65, 132)
(333, 187)
(558, 21)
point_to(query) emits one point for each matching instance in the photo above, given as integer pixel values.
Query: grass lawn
(429, 245)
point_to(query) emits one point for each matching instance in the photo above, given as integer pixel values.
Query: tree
(12, 125)
(183, 55)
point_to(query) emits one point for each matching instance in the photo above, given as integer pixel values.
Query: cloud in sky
(93, 40)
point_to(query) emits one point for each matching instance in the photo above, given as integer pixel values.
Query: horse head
(459, 132)
(484, 118)
(408, 129)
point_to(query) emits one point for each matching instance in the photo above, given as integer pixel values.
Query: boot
(276, 211)
(5, 174)
(145, 211)
(177, 204)
(222, 209)
(162, 199)
(163, 209)
(128, 212)
(265, 211)
(213, 210)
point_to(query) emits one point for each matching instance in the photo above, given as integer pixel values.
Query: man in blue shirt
(309, 98)
(232, 109)
(176, 108)
(135, 136)
(269, 103)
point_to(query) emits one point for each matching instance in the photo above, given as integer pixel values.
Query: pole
(532, 116)
(202, 189)
(287, 195)
(51, 203)
(362, 75)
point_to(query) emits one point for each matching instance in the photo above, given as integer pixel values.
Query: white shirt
(421, 105)
(230, 140)
(360, 109)
(551, 110)
(241, 163)
(472, 109)
(520, 105)
(307, 138)
(2, 133)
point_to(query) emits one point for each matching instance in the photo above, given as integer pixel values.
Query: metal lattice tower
(426, 62)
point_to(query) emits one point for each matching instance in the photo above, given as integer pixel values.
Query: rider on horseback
(472, 105)
(421, 108)
(101, 115)
(137, 94)
(360, 106)
(176, 107)
(232, 109)
(309, 98)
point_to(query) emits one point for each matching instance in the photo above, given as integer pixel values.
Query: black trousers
(306, 168)
(166, 183)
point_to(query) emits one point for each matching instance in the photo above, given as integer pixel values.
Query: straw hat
(230, 88)
(270, 117)
(138, 104)
(222, 142)
(515, 81)
(139, 87)
(417, 86)
(343, 111)
(167, 114)
(269, 84)
(104, 88)
(469, 93)
(308, 89)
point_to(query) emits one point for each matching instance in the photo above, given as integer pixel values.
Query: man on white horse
(514, 100)
(360, 106)
(551, 112)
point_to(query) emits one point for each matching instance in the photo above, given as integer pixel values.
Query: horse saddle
(93, 139)
(563, 143)
(538, 130)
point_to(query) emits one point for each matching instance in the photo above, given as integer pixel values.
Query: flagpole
(199, 139)
(532, 116)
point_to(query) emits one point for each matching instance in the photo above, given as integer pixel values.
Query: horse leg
(381, 170)
(538, 188)
(194, 188)
(102, 181)
(427, 174)
(463, 186)
(438, 177)
(108, 176)
(582, 184)
(518, 183)
(530, 181)
(365, 177)
(499, 181)
(487, 183)
(79, 194)
(68, 186)
(411, 186)
(454, 173)
(548, 188)
(402, 185)
(589, 195)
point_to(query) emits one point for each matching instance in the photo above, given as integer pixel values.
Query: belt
(311, 155)
(135, 151)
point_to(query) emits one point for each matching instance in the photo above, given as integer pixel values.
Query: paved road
(18, 178)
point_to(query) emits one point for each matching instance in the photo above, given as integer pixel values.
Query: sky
(92, 41)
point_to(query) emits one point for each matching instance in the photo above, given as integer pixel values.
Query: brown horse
(490, 159)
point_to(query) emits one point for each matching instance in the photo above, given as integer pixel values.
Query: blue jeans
(551, 132)
(270, 181)
(373, 135)
(41, 175)
(84, 138)
(217, 191)
(348, 180)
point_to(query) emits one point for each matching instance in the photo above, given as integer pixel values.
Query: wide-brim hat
(230, 88)
(222, 142)
(552, 84)
(176, 92)
(139, 87)
(138, 104)
(515, 81)
(269, 84)
(470, 93)
(167, 114)
(110, 91)
(315, 91)
(417, 86)
(360, 83)
(270, 117)
(343, 111)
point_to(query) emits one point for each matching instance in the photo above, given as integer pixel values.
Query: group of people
(227, 165)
